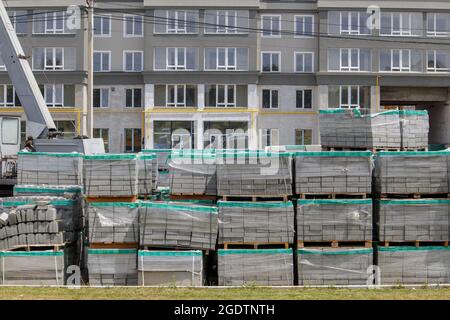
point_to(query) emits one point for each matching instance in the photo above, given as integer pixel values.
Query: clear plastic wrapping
(415, 125)
(267, 267)
(48, 190)
(334, 220)
(147, 173)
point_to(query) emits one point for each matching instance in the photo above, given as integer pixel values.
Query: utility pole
(88, 112)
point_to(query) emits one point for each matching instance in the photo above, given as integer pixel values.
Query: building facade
(240, 74)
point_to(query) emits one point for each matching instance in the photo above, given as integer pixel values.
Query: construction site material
(412, 172)
(330, 266)
(256, 222)
(254, 173)
(112, 267)
(341, 220)
(414, 265)
(414, 219)
(268, 267)
(162, 156)
(113, 222)
(193, 172)
(147, 173)
(164, 179)
(333, 172)
(170, 268)
(48, 190)
(173, 225)
(41, 168)
(43, 268)
(415, 126)
(349, 128)
(111, 175)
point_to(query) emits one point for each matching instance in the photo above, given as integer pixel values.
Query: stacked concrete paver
(147, 174)
(112, 267)
(415, 128)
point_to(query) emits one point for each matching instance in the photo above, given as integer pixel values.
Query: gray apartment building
(233, 74)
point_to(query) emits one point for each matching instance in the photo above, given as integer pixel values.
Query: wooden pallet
(335, 244)
(414, 195)
(111, 199)
(344, 149)
(131, 245)
(417, 243)
(334, 196)
(414, 149)
(255, 198)
(254, 245)
(38, 247)
(178, 197)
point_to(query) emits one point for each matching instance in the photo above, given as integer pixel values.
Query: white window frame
(349, 67)
(177, 21)
(101, 62)
(271, 99)
(303, 16)
(400, 32)
(435, 33)
(271, 59)
(102, 34)
(400, 68)
(132, 98)
(13, 14)
(225, 104)
(435, 69)
(175, 104)
(227, 66)
(101, 97)
(348, 28)
(53, 66)
(226, 29)
(133, 34)
(54, 17)
(7, 104)
(176, 66)
(53, 104)
(296, 53)
(349, 105)
(303, 98)
(265, 133)
(271, 16)
(133, 52)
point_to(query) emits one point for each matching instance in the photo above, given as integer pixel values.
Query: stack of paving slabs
(170, 268)
(37, 223)
(256, 222)
(175, 225)
(69, 192)
(38, 168)
(265, 267)
(349, 128)
(193, 172)
(113, 222)
(415, 126)
(334, 266)
(34, 268)
(334, 220)
(254, 173)
(414, 220)
(414, 265)
(333, 172)
(112, 267)
(147, 173)
(412, 172)
(111, 175)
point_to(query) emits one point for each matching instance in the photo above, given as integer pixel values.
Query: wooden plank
(114, 245)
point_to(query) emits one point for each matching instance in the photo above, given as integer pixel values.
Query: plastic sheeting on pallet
(412, 172)
(193, 172)
(348, 128)
(267, 267)
(37, 168)
(170, 268)
(162, 156)
(111, 175)
(113, 222)
(334, 266)
(414, 265)
(414, 219)
(339, 220)
(112, 267)
(333, 172)
(147, 173)
(415, 126)
(262, 222)
(48, 190)
(174, 225)
(253, 173)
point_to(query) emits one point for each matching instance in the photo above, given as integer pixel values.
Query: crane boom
(40, 122)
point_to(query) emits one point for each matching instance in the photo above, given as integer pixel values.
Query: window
(54, 59)
(303, 99)
(8, 96)
(102, 61)
(304, 26)
(349, 60)
(19, 21)
(348, 97)
(102, 26)
(133, 61)
(270, 99)
(101, 97)
(10, 130)
(226, 59)
(270, 61)
(46, 22)
(438, 61)
(269, 137)
(303, 137)
(175, 59)
(353, 23)
(102, 133)
(438, 24)
(304, 62)
(226, 21)
(400, 60)
(176, 21)
(221, 95)
(53, 94)
(133, 26)
(401, 24)
(133, 143)
(180, 95)
(133, 98)
(271, 26)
